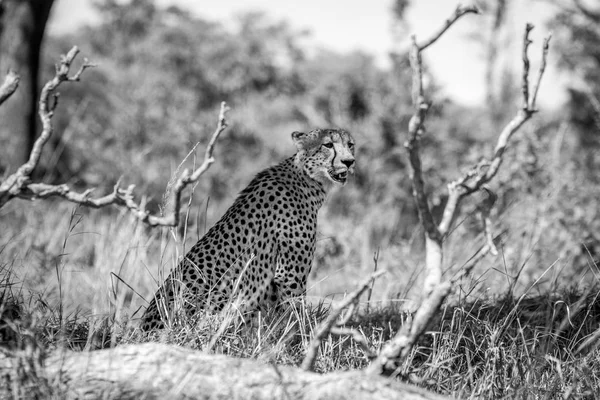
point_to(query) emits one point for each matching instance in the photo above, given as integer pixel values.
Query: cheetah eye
(328, 145)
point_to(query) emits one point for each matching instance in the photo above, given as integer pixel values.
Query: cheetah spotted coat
(260, 252)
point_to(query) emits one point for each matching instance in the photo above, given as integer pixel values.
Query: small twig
(522, 116)
(358, 338)
(375, 265)
(418, 97)
(459, 12)
(9, 86)
(525, 79)
(331, 321)
(186, 178)
(545, 49)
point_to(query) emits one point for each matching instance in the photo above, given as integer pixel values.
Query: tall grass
(76, 278)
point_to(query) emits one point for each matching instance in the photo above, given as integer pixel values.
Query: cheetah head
(327, 155)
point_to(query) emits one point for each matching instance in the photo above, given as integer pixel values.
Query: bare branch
(455, 194)
(523, 115)
(397, 349)
(9, 86)
(208, 155)
(46, 112)
(433, 263)
(459, 12)
(456, 191)
(331, 321)
(418, 97)
(525, 80)
(86, 64)
(13, 185)
(415, 130)
(19, 184)
(545, 48)
(172, 219)
(435, 291)
(475, 179)
(125, 197)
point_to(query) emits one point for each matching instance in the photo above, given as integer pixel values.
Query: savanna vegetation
(521, 324)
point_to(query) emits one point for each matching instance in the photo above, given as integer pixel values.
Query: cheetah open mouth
(339, 177)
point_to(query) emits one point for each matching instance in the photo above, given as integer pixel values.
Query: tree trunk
(22, 26)
(158, 371)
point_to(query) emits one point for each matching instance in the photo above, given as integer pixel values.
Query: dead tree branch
(9, 86)
(435, 290)
(397, 350)
(433, 236)
(331, 324)
(473, 182)
(459, 12)
(20, 185)
(159, 371)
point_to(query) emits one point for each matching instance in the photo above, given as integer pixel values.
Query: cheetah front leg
(294, 261)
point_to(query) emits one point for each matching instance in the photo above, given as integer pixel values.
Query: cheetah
(260, 252)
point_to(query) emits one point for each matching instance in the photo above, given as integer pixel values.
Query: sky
(366, 25)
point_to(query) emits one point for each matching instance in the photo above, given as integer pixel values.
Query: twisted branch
(473, 181)
(435, 290)
(433, 236)
(20, 185)
(458, 12)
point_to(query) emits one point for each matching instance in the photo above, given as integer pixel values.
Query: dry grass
(74, 278)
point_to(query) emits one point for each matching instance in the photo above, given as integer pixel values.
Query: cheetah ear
(299, 139)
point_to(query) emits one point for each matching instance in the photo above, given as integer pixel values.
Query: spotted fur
(260, 252)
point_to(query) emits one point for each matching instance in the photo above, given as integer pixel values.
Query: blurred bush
(163, 72)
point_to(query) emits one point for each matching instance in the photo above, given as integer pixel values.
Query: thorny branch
(435, 290)
(332, 325)
(20, 185)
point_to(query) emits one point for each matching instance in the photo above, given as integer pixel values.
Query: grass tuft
(83, 290)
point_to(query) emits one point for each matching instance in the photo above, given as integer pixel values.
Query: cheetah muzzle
(340, 177)
(260, 252)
